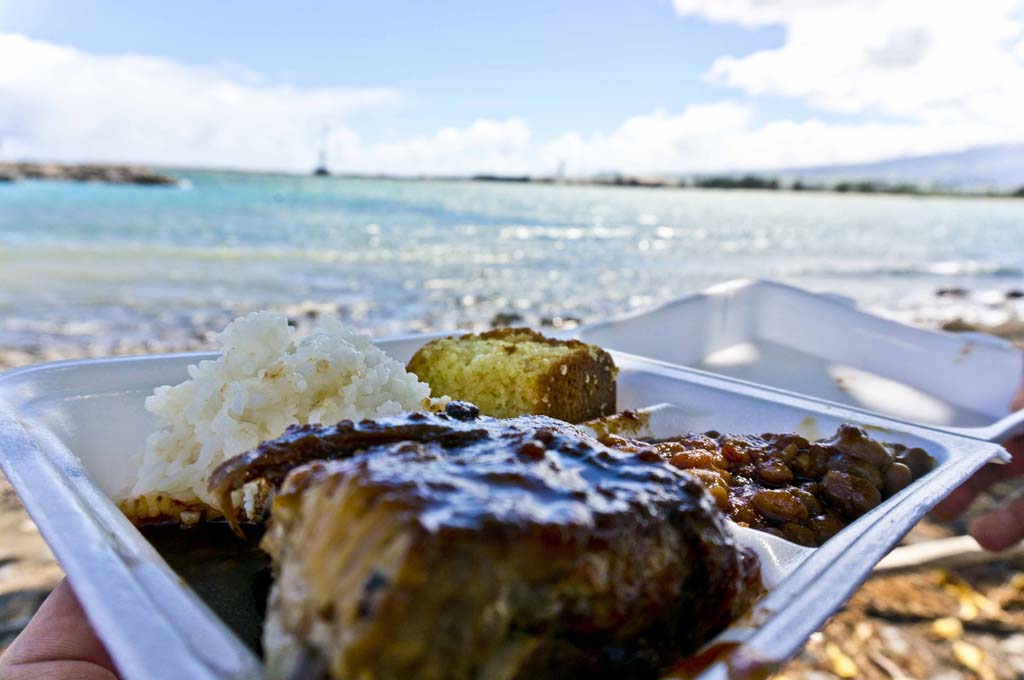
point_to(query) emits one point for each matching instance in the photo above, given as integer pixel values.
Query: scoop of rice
(265, 380)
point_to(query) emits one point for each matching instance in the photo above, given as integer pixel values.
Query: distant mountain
(989, 167)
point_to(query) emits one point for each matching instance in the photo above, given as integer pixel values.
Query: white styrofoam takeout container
(68, 429)
(824, 346)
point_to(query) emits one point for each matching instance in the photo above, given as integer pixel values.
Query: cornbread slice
(510, 372)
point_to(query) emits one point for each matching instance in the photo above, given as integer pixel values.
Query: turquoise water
(101, 265)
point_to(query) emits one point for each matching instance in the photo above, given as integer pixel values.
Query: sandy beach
(945, 624)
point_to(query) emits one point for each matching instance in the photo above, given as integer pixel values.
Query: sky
(407, 87)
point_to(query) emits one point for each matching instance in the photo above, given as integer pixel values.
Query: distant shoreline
(137, 174)
(88, 172)
(747, 181)
(753, 182)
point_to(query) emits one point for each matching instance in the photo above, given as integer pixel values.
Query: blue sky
(649, 85)
(563, 65)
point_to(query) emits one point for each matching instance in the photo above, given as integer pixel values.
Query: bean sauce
(788, 486)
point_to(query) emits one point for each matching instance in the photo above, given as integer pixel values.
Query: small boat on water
(321, 166)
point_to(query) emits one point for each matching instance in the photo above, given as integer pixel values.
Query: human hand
(57, 644)
(1003, 527)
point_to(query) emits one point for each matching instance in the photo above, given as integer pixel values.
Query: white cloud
(722, 136)
(950, 63)
(63, 104)
(702, 138)
(763, 12)
(483, 146)
(654, 142)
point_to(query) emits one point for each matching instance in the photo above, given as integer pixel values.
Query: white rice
(266, 380)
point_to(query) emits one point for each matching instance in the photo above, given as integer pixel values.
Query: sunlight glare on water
(393, 256)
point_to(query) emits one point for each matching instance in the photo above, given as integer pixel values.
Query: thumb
(57, 644)
(1001, 528)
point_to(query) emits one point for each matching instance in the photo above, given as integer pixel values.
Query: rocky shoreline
(89, 172)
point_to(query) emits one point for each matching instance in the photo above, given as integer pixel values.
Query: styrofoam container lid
(823, 346)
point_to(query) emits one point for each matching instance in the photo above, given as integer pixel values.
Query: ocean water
(102, 267)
